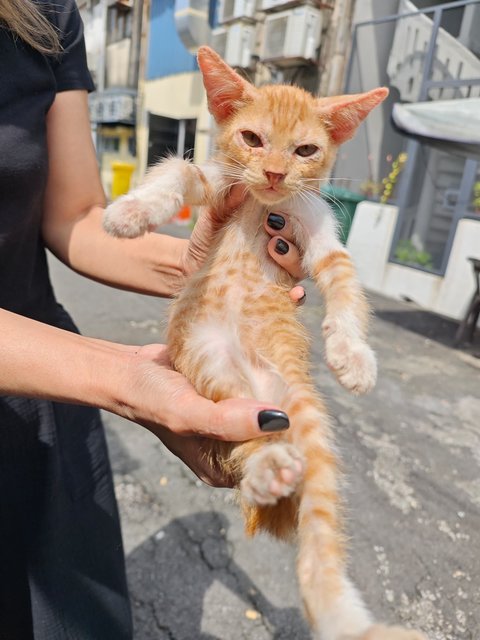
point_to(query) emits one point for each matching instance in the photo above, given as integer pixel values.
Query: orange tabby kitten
(234, 332)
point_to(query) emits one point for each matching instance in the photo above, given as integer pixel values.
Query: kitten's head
(278, 140)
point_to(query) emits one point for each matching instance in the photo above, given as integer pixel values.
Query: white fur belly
(216, 346)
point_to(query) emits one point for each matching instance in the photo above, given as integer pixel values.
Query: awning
(451, 125)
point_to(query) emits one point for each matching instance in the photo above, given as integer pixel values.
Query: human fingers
(277, 223)
(163, 397)
(206, 228)
(236, 196)
(281, 246)
(234, 419)
(298, 294)
(199, 455)
(287, 255)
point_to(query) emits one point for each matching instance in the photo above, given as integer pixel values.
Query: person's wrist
(172, 274)
(108, 385)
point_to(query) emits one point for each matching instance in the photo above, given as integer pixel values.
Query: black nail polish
(272, 420)
(275, 221)
(281, 247)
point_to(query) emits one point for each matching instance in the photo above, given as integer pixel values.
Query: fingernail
(272, 420)
(281, 247)
(275, 221)
(302, 299)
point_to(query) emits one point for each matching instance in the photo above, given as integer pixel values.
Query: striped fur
(234, 331)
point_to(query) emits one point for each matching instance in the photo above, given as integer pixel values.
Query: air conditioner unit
(229, 10)
(219, 41)
(235, 43)
(271, 5)
(292, 37)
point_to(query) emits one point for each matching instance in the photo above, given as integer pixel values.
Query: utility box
(229, 10)
(292, 37)
(235, 43)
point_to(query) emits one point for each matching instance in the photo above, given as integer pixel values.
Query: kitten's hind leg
(273, 472)
(169, 186)
(381, 632)
(333, 605)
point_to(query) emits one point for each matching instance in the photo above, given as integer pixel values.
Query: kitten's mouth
(270, 194)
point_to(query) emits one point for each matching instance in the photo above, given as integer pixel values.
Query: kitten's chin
(269, 196)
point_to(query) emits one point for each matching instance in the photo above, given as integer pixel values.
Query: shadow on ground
(425, 323)
(180, 566)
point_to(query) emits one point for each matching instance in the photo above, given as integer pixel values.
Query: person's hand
(283, 250)
(164, 401)
(281, 247)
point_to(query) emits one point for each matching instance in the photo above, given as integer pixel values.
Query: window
(170, 136)
(119, 23)
(109, 144)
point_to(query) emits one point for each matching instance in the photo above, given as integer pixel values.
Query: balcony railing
(416, 53)
(452, 61)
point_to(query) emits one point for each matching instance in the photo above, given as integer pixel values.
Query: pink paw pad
(272, 473)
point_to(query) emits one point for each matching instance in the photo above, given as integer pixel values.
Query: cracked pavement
(411, 461)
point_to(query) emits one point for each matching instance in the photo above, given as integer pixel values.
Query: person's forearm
(37, 360)
(151, 264)
(137, 383)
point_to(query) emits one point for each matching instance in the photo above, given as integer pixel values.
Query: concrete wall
(369, 242)
(94, 31)
(118, 56)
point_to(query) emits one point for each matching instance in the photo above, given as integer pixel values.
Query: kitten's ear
(226, 90)
(344, 113)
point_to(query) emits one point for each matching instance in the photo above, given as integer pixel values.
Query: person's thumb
(234, 420)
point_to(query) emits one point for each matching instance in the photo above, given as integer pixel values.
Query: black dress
(62, 574)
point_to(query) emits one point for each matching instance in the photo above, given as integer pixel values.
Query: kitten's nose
(274, 178)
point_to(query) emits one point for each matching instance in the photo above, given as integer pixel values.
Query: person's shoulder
(61, 13)
(57, 6)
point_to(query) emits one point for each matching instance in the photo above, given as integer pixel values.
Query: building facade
(428, 214)
(150, 102)
(113, 46)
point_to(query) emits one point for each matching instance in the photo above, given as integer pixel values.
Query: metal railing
(429, 86)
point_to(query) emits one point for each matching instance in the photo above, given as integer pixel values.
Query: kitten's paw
(382, 632)
(130, 217)
(352, 360)
(273, 472)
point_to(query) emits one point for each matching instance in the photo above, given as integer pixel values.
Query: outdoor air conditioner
(235, 44)
(229, 10)
(292, 37)
(271, 5)
(219, 41)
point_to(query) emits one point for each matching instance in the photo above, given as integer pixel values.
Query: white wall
(94, 30)
(118, 56)
(369, 243)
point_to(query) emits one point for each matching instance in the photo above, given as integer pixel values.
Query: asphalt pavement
(411, 459)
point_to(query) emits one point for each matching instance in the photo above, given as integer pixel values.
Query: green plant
(407, 252)
(476, 197)
(390, 181)
(371, 189)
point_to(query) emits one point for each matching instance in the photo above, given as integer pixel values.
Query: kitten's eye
(251, 139)
(306, 150)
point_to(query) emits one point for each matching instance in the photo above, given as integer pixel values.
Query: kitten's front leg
(167, 187)
(345, 325)
(347, 313)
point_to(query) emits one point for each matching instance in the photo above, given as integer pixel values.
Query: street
(411, 459)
